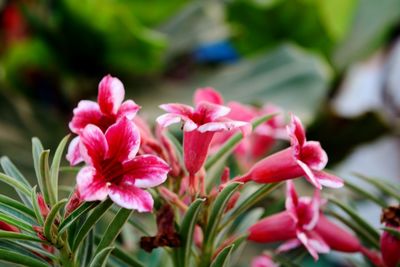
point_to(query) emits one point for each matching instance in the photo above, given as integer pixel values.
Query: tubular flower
(108, 109)
(302, 158)
(390, 245)
(303, 223)
(200, 125)
(263, 260)
(114, 170)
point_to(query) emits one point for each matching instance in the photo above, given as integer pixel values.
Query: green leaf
(186, 232)
(19, 236)
(139, 226)
(48, 193)
(96, 215)
(222, 259)
(217, 211)
(113, 229)
(284, 261)
(230, 144)
(14, 257)
(55, 165)
(86, 251)
(125, 257)
(365, 194)
(81, 210)
(387, 190)
(37, 150)
(15, 184)
(393, 231)
(17, 214)
(16, 205)
(101, 258)
(35, 247)
(357, 219)
(48, 224)
(36, 207)
(16, 222)
(27, 249)
(176, 143)
(12, 171)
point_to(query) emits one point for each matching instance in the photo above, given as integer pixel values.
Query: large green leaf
(19, 236)
(76, 214)
(51, 217)
(48, 188)
(100, 259)
(18, 258)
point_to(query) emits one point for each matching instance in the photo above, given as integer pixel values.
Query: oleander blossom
(302, 158)
(199, 126)
(115, 170)
(263, 260)
(302, 223)
(108, 109)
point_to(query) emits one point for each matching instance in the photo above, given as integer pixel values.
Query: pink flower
(302, 223)
(390, 244)
(200, 125)
(114, 169)
(103, 114)
(263, 261)
(302, 158)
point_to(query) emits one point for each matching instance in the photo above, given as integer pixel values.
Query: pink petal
(87, 112)
(278, 227)
(111, 95)
(74, 155)
(314, 207)
(305, 241)
(241, 112)
(313, 155)
(289, 245)
(189, 125)
(263, 261)
(222, 126)
(93, 145)
(129, 196)
(209, 112)
(146, 171)
(313, 242)
(123, 140)
(90, 187)
(328, 180)
(291, 199)
(296, 133)
(207, 94)
(309, 174)
(178, 109)
(195, 149)
(167, 119)
(128, 109)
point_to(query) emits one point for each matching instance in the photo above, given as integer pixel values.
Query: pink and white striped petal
(168, 119)
(207, 94)
(111, 94)
(313, 155)
(93, 145)
(328, 180)
(74, 155)
(129, 196)
(127, 131)
(178, 109)
(292, 200)
(87, 112)
(128, 109)
(90, 187)
(309, 174)
(146, 171)
(222, 126)
(210, 111)
(289, 245)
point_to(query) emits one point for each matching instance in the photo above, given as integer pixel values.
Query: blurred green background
(335, 63)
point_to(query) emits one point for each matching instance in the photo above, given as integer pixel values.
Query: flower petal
(90, 187)
(209, 111)
(289, 245)
(178, 109)
(314, 207)
(129, 196)
(305, 241)
(128, 109)
(93, 145)
(222, 126)
(328, 180)
(74, 154)
(111, 95)
(146, 171)
(207, 94)
(87, 112)
(313, 155)
(123, 140)
(292, 199)
(296, 133)
(167, 119)
(309, 174)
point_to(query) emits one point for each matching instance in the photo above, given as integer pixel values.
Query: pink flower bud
(74, 202)
(8, 227)
(44, 209)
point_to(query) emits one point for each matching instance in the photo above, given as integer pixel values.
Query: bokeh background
(335, 63)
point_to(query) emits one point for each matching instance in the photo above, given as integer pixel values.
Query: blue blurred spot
(218, 52)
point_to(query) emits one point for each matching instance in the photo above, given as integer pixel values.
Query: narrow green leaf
(17, 214)
(217, 211)
(222, 259)
(113, 229)
(139, 226)
(70, 169)
(365, 194)
(358, 220)
(387, 190)
(11, 170)
(87, 249)
(48, 193)
(393, 231)
(14, 257)
(37, 150)
(19, 236)
(119, 253)
(233, 141)
(37, 248)
(186, 232)
(101, 258)
(16, 222)
(81, 210)
(96, 215)
(55, 165)
(48, 224)
(16, 205)
(27, 248)
(36, 207)
(176, 144)
(15, 184)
